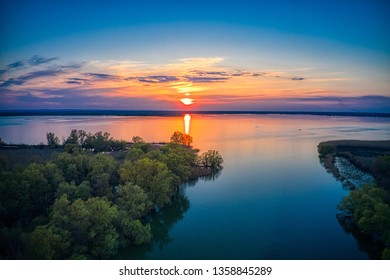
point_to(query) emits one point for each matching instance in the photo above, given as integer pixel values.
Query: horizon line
(121, 112)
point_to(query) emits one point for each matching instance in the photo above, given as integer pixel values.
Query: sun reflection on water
(187, 123)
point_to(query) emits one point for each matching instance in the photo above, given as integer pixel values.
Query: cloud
(40, 74)
(205, 73)
(77, 81)
(197, 79)
(258, 74)
(30, 76)
(11, 82)
(16, 64)
(155, 79)
(37, 60)
(72, 66)
(76, 98)
(103, 76)
(220, 73)
(297, 79)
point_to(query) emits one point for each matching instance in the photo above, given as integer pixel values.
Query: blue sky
(274, 55)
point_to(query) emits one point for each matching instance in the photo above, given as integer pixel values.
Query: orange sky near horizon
(198, 83)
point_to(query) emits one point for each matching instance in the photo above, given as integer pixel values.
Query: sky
(196, 55)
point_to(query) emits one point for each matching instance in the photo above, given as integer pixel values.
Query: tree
(132, 200)
(180, 160)
(83, 191)
(101, 233)
(325, 149)
(211, 159)
(137, 139)
(44, 244)
(73, 138)
(367, 210)
(134, 153)
(152, 176)
(84, 205)
(181, 138)
(52, 140)
(101, 174)
(88, 226)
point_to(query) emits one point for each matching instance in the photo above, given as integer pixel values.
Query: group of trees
(364, 212)
(83, 204)
(78, 139)
(368, 210)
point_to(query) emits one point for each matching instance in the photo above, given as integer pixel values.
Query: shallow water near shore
(272, 200)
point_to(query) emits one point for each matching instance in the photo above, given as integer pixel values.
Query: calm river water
(272, 200)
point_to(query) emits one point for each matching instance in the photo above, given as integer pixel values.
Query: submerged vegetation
(94, 195)
(365, 211)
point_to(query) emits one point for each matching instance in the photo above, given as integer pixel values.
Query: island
(364, 168)
(90, 195)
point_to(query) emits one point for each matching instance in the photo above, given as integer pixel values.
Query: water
(273, 199)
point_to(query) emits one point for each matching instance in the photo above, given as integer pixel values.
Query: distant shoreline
(79, 112)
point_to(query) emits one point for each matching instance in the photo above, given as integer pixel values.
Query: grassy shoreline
(368, 156)
(365, 211)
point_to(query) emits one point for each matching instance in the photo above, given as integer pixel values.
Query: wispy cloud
(37, 60)
(103, 76)
(32, 75)
(128, 84)
(154, 79)
(202, 79)
(16, 64)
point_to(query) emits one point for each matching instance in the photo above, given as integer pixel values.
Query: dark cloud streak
(102, 76)
(297, 79)
(196, 79)
(37, 60)
(16, 64)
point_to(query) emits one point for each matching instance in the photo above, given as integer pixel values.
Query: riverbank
(364, 167)
(368, 156)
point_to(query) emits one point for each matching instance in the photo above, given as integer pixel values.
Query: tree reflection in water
(365, 243)
(163, 220)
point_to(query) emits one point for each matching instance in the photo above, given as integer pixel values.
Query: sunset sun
(187, 101)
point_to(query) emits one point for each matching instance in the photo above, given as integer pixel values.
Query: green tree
(366, 209)
(211, 159)
(83, 191)
(152, 176)
(40, 191)
(73, 138)
(102, 174)
(180, 160)
(66, 188)
(88, 226)
(132, 200)
(325, 149)
(102, 233)
(52, 140)
(44, 244)
(134, 153)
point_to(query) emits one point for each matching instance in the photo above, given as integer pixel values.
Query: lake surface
(272, 200)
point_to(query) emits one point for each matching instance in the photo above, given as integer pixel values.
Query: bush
(325, 149)
(211, 159)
